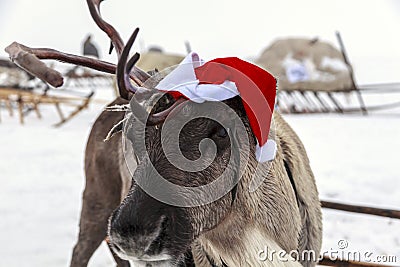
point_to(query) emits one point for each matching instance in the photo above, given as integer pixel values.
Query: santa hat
(224, 78)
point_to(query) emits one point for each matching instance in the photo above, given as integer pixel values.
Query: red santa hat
(224, 78)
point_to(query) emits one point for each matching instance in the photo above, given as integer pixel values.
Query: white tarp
(304, 64)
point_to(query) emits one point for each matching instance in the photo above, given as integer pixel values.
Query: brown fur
(103, 187)
(271, 211)
(278, 214)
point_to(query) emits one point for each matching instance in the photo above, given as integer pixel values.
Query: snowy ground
(355, 160)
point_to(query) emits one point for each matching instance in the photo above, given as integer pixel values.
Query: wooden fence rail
(389, 213)
(395, 214)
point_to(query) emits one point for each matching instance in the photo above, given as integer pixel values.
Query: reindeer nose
(137, 239)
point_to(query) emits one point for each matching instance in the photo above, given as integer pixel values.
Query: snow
(354, 159)
(41, 180)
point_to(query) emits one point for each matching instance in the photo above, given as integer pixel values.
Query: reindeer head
(186, 157)
(185, 180)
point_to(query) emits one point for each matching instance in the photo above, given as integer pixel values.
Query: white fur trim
(182, 74)
(267, 152)
(183, 79)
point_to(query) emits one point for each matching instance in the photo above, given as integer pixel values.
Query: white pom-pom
(267, 152)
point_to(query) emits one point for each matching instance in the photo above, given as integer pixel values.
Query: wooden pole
(325, 107)
(351, 72)
(20, 109)
(337, 105)
(395, 214)
(284, 102)
(188, 47)
(74, 113)
(310, 102)
(59, 111)
(9, 106)
(36, 107)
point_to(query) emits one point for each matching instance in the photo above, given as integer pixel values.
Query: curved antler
(116, 41)
(123, 69)
(31, 63)
(29, 58)
(18, 51)
(158, 118)
(47, 53)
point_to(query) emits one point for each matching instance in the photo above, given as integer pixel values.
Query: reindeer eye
(222, 132)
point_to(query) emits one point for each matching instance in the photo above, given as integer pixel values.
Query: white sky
(216, 28)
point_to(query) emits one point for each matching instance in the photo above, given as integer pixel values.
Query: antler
(29, 59)
(123, 69)
(118, 43)
(17, 50)
(158, 118)
(116, 40)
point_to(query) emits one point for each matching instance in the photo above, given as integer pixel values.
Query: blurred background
(354, 157)
(215, 28)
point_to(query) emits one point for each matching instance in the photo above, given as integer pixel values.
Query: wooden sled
(79, 77)
(24, 93)
(29, 100)
(315, 102)
(315, 77)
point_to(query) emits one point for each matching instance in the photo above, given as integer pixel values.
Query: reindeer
(282, 214)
